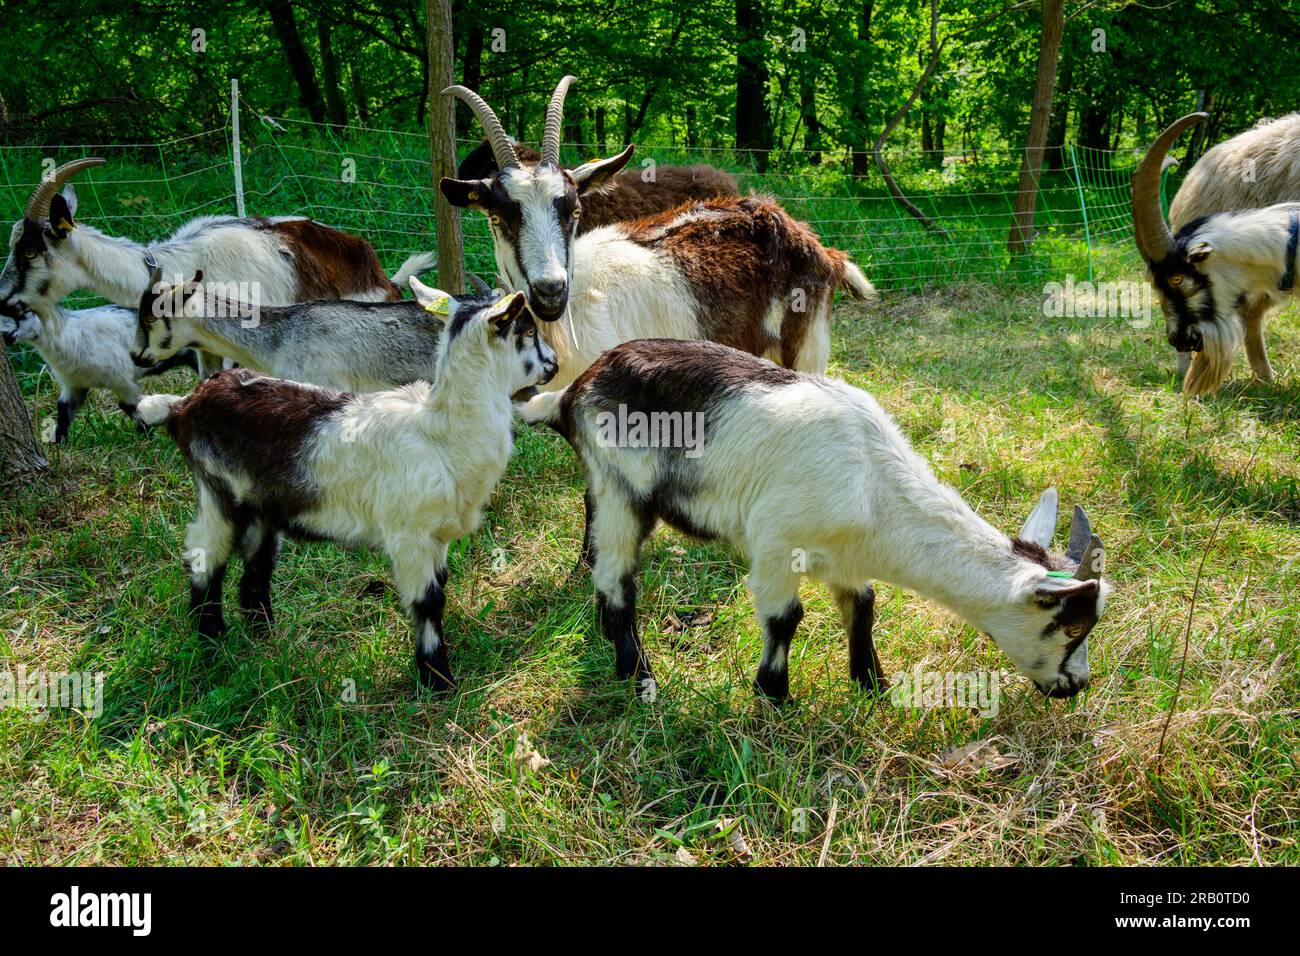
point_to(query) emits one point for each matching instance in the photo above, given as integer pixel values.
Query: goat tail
(855, 283)
(152, 410)
(415, 265)
(542, 409)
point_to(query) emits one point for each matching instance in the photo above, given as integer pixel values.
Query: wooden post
(442, 144)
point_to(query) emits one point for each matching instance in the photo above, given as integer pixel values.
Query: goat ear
(62, 210)
(1041, 523)
(1199, 252)
(1055, 590)
(464, 193)
(593, 175)
(433, 300)
(503, 314)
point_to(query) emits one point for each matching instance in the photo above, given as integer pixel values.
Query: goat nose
(550, 289)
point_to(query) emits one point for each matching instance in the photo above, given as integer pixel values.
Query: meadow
(313, 746)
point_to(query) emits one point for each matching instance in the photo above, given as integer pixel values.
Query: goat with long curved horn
(555, 123)
(502, 148)
(1150, 231)
(38, 207)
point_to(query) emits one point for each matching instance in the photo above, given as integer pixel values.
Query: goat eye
(495, 220)
(1176, 280)
(575, 214)
(1074, 630)
(30, 254)
(531, 333)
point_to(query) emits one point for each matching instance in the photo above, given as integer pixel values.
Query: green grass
(253, 750)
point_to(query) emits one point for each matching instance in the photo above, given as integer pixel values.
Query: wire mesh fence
(377, 183)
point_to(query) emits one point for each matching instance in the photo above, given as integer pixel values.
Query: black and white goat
(1218, 275)
(350, 346)
(285, 259)
(407, 470)
(807, 476)
(737, 271)
(85, 349)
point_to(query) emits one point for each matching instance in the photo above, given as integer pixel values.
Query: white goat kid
(809, 477)
(408, 470)
(85, 349)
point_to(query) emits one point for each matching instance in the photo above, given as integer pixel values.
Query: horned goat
(408, 470)
(349, 346)
(627, 195)
(1214, 269)
(1260, 167)
(807, 476)
(281, 260)
(739, 271)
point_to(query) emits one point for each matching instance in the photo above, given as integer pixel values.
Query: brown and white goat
(739, 271)
(1217, 276)
(627, 195)
(283, 260)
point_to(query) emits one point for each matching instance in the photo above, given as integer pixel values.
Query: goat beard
(1210, 366)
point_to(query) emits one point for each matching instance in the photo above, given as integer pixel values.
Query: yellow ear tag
(441, 304)
(65, 225)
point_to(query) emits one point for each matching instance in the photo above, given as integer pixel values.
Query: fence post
(234, 146)
(1083, 206)
(442, 144)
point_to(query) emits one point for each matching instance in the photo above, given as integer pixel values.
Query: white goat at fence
(284, 259)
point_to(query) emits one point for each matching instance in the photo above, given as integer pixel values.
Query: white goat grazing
(808, 476)
(85, 349)
(739, 271)
(350, 346)
(407, 470)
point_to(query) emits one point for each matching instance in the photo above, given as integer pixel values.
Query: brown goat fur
(332, 264)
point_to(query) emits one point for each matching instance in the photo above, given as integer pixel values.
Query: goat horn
(555, 123)
(502, 148)
(1154, 240)
(38, 207)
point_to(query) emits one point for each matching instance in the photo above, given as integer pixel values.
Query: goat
(1213, 269)
(407, 470)
(737, 271)
(1253, 169)
(627, 195)
(349, 346)
(85, 349)
(286, 259)
(807, 476)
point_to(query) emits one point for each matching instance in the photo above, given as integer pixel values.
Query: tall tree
(1040, 114)
(304, 74)
(442, 141)
(753, 124)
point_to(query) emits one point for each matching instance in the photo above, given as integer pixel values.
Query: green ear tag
(441, 304)
(1059, 574)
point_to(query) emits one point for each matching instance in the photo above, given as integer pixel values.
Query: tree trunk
(20, 454)
(600, 129)
(858, 108)
(1049, 49)
(1056, 130)
(329, 68)
(440, 56)
(812, 136)
(286, 29)
(358, 84)
(753, 127)
(472, 75)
